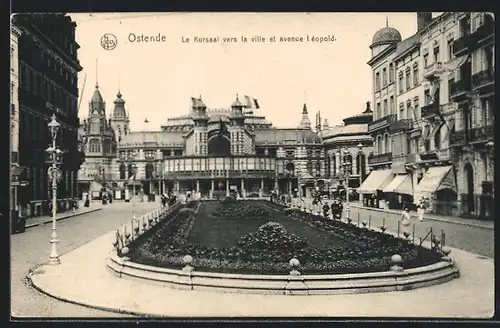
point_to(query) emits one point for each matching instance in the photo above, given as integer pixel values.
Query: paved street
(32, 247)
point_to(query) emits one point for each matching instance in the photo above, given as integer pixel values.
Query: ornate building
(214, 151)
(48, 84)
(347, 148)
(99, 136)
(425, 148)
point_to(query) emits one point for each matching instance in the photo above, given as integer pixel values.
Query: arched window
(387, 146)
(361, 165)
(437, 138)
(130, 170)
(94, 146)
(149, 171)
(123, 172)
(348, 163)
(379, 145)
(333, 165)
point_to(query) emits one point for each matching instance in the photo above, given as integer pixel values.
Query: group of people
(168, 199)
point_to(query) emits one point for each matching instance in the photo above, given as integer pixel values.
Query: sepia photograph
(249, 165)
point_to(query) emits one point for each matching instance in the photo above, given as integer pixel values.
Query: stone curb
(62, 217)
(470, 224)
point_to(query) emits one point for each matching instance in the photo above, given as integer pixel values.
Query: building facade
(15, 33)
(347, 147)
(437, 106)
(215, 151)
(48, 84)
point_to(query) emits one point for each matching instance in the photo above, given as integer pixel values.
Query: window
(426, 60)
(415, 75)
(436, 54)
(387, 147)
(437, 139)
(379, 114)
(401, 111)
(392, 105)
(408, 82)
(391, 72)
(450, 49)
(416, 109)
(386, 109)
(377, 81)
(427, 96)
(409, 110)
(401, 83)
(94, 146)
(384, 77)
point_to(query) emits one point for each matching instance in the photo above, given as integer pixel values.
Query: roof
(274, 136)
(386, 35)
(97, 97)
(406, 44)
(158, 138)
(351, 129)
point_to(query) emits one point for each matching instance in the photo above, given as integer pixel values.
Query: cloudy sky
(157, 79)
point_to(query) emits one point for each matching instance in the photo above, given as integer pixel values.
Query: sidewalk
(40, 220)
(448, 219)
(470, 296)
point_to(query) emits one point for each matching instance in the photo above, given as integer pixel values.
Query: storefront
(399, 192)
(439, 186)
(370, 190)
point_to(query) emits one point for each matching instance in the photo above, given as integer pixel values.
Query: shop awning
(401, 184)
(376, 180)
(435, 179)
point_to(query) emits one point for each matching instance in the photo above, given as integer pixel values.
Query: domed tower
(119, 119)
(384, 38)
(305, 123)
(200, 133)
(237, 127)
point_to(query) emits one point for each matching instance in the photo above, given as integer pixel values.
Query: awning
(398, 168)
(401, 184)
(376, 180)
(435, 179)
(451, 125)
(457, 62)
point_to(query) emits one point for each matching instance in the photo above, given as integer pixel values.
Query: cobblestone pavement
(32, 248)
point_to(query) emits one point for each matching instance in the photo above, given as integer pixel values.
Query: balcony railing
(459, 88)
(460, 45)
(429, 110)
(457, 138)
(483, 32)
(401, 125)
(481, 134)
(410, 158)
(433, 69)
(381, 123)
(483, 78)
(379, 159)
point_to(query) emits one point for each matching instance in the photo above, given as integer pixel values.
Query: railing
(457, 138)
(443, 154)
(484, 31)
(460, 45)
(380, 158)
(401, 125)
(459, 87)
(484, 77)
(429, 110)
(410, 158)
(481, 134)
(433, 69)
(382, 122)
(219, 174)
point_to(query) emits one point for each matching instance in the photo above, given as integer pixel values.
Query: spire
(119, 84)
(96, 72)
(368, 109)
(386, 21)
(305, 123)
(304, 109)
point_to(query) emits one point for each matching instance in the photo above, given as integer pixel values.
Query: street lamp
(54, 158)
(134, 170)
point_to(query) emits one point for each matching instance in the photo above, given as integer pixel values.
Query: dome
(96, 97)
(237, 103)
(386, 35)
(119, 98)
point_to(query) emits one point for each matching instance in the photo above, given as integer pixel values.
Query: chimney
(368, 109)
(423, 19)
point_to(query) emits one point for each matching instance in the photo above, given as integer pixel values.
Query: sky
(157, 79)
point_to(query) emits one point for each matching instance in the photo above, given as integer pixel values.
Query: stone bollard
(396, 263)
(123, 253)
(446, 252)
(364, 223)
(187, 260)
(294, 264)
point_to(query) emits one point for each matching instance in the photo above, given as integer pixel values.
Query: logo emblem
(109, 41)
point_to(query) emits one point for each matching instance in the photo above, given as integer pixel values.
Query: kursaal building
(212, 152)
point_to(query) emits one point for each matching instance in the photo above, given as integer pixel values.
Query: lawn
(225, 232)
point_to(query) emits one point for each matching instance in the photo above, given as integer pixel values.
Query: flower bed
(269, 249)
(239, 209)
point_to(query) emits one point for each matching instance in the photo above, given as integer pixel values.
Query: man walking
(421, 207)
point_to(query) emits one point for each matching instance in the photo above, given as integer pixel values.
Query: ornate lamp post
(346, 173)
(134, 170)
(54, 157)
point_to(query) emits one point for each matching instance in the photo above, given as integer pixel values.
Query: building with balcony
(48, 84)
(213, 152)
(471, 140)
(15, 33)
(347, 148)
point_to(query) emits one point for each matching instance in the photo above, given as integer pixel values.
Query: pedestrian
(87, 201)
(421, 207)
(406, 219)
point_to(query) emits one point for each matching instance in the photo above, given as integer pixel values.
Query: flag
(251, 104)
(222, 127)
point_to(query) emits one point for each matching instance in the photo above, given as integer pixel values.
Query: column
(197, 186)
(212, 189)
(337, 163)
(164, 187)
(177, 186)
(290, 186)
(227, 187)
(243, 192)
(261, 191)
(276, 184)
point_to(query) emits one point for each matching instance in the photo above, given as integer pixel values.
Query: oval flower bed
(269, 249)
